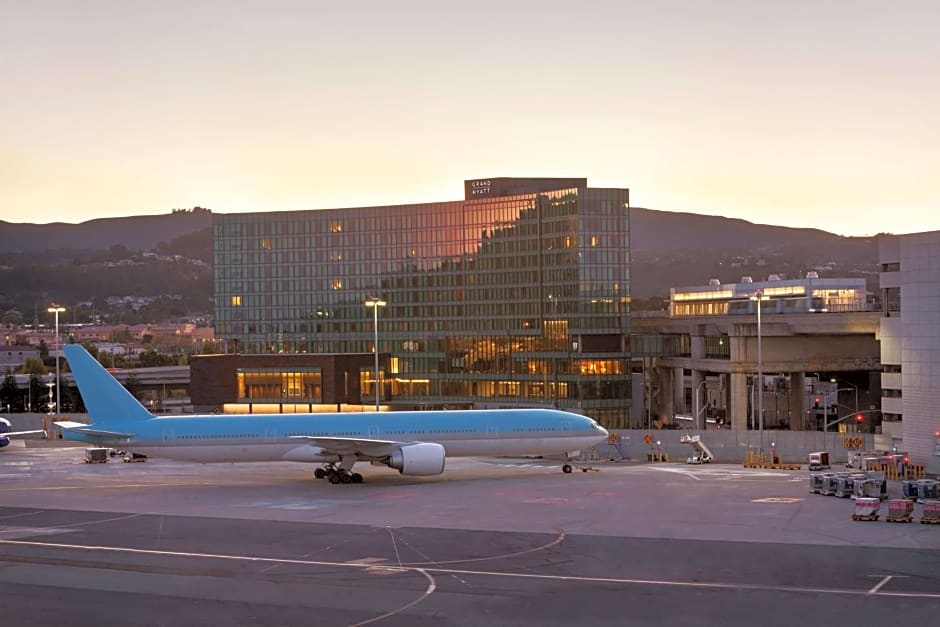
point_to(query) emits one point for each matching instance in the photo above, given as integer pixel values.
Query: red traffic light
(859, 418)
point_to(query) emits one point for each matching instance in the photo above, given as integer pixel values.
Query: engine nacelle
(5, 427)
(423, 458)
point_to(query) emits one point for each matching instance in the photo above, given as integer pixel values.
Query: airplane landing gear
(337, 475)
(566, 468)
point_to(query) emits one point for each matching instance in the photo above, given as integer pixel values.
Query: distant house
(10, 359)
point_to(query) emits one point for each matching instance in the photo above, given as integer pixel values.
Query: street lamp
(375, 303)
(838, 389)
(758, 297)
(56, 309)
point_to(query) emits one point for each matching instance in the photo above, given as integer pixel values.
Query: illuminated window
(274, 385)
(336, 226)
(593, 240)
(337, 284)
(266, 244)
(236, 301)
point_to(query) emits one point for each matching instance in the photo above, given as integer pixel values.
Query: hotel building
(517, 295)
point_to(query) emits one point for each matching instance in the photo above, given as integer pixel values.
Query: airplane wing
(9, 433)
(88, 429)
(361, 447)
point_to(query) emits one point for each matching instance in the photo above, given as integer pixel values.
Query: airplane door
(492, 430)
(270, 434)
(168, 435)
(565, 426)
(373, 432)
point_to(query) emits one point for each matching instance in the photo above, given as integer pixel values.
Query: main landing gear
(566, 468)
(337, 475)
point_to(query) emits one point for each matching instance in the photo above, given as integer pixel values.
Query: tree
(9, 394)
(36, 393)
(132, 384)
(150, 358)
(209, 347)
(12, 318)
(33, 366)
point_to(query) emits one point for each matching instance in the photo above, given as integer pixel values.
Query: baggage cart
(900, 510)
(931, 513)
(866, 509)
(96, 455)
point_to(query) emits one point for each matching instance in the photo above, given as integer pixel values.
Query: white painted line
(481, 573)
(880, 584)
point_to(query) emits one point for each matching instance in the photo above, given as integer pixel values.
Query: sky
(822, 114)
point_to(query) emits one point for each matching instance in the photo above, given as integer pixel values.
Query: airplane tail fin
(108, 402)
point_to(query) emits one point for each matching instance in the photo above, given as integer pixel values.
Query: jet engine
(5, 427)
(423, 458)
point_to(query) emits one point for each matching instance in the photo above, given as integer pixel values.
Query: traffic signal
(859, 418)
(816, 402)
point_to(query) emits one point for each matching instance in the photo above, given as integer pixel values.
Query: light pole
(56, 309)
(758, 297)
(698, 408)
(375, 303)
(838, 389)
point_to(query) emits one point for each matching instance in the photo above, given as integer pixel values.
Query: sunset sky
(801, 113)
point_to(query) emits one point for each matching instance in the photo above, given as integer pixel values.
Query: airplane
(412, 442)
(7, 432)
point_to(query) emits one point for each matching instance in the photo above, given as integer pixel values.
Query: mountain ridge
(668, 248)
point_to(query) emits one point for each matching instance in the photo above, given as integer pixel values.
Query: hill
(672, 249)
(668, 249)
(135, 233)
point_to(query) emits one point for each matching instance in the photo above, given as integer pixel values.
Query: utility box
(96, 455)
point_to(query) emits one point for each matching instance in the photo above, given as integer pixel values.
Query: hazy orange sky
(798, 113)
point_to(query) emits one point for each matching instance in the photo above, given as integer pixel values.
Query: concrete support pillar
(738, 400)
(797, 400)
(678, 391)
(724, 394)
(665, 406)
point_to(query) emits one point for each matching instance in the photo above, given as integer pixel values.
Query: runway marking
(11, 531)
(481, 573)
(718, 473)
(103, 487)
(777, 499)
(375, 567)
(21, 514)
(880, 584)
(432, 586)
(548, 500)
(558, 540)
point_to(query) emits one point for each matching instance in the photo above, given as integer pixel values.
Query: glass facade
(498, 301)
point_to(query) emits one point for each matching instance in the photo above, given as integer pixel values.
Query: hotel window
(337, 284)
(236, 301)
(336, 226)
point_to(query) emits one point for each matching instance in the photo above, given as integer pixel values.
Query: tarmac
(489, 542)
